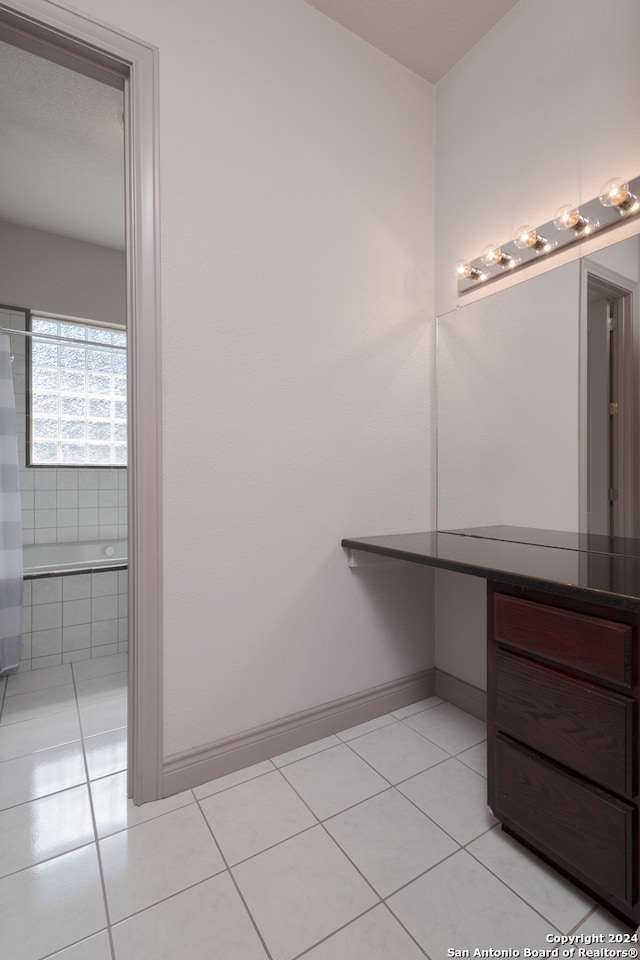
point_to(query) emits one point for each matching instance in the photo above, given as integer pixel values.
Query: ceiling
(62, 151)
(427, 36)
(62, 134)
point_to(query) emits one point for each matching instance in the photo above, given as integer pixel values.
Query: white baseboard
(193, 767)
(461, 694)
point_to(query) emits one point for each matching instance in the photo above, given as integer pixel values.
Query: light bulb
(569, 217)
(468, 272)
(494, 257)
(616, 193)
(528, 238)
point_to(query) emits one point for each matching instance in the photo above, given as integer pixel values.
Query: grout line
(376, 793)
(272, 846)
(380, 905)
(54, 856)
(338, 930)
(234, 881)
(322, 823)
(307, 756)
(76, 943)
(94, 823)
(406, 929)
(165, 899)
(577, 926)
(232, 785)
(381, 901)
(509, 887)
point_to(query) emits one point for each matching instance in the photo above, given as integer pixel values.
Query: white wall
(42, 271)
(296, 203)
(539, 113)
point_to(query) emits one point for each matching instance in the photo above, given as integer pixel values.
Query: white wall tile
(76, 611)
(45, 517)
(46, 616)
(46, 590)
(108, 497)
(88, 479)
(45, 479)
(76, 637)
(76, 587)
(108, 479)
(67, 499)
(45, 534)
(108, 531)
(88, 498)
(45, 500)
(40, 663)
(104, 631)
(46, 642)
(104, 584)
(104, 608)
(67, 534)
(67, 479)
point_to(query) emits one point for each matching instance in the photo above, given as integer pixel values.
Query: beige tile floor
(374, 844)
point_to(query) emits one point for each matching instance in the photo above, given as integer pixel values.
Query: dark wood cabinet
(563, 736)
(562, 691)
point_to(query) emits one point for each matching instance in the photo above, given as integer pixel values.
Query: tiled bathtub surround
(74, 617)
(71, 617)
(66, 503)
(375, 843)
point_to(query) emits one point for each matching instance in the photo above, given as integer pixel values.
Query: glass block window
(77, 395)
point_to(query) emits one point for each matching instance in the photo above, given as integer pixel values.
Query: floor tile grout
(228, 870)
(515, 892)
(322, 822)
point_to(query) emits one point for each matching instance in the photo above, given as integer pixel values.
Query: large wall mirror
(538, 401)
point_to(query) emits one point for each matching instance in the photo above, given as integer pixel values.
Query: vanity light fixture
(493, 256)
(618, 200)
(616, 193)
(528, 238)
(568, 217)
(467, 272)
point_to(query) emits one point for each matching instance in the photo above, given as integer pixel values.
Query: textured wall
(296, 202)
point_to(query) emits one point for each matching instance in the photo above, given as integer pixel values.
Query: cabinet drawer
(600, 648)
(585, 727)
(579, 827)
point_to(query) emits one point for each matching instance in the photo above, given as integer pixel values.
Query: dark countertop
(580, 566)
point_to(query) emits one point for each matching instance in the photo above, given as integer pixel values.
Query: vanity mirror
(537, 390)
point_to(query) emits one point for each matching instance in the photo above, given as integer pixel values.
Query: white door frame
(626, 516)
(77, 40)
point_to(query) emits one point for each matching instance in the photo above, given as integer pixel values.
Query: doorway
(611, 404)
(93, 49)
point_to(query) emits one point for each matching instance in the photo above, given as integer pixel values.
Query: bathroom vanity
(563, 688)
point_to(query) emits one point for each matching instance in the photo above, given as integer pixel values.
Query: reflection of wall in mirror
(509, 401)
(508, 406)
(622, 257)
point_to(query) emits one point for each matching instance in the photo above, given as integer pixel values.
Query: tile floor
(375, 844)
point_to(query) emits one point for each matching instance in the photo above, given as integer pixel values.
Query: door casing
(76, 40)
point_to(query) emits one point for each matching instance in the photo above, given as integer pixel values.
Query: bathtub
(45, 559)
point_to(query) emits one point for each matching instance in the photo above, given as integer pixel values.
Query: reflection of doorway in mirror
(612, 409)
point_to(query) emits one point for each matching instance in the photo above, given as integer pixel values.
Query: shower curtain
(10, 521)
